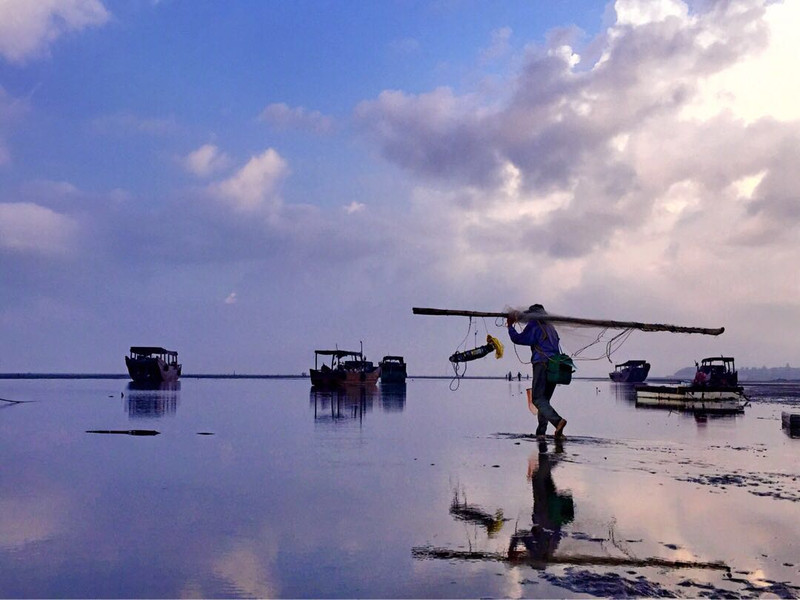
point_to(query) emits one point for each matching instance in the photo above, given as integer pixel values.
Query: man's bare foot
(560, 428)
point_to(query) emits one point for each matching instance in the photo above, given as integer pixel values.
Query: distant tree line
(752, 373)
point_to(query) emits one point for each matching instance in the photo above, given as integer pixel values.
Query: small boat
(152, 365)
(714, 389)
(632, 371)
(717, 371)
(393, 369)
(347, 367)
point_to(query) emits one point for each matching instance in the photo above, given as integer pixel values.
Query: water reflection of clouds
(248, 567)
(28, 519)
(638, 504)
(194, 517)
(677, 520)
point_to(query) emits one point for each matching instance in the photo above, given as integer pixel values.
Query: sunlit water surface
(262, 488)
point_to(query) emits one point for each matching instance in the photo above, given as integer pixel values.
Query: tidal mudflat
(243, 488)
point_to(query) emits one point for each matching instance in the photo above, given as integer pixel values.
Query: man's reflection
(551, 510)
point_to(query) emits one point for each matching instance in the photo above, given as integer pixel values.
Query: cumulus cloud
(254, 187)
(28, 28)
(206, 160)
(644, 160)
(610, 138)
(282, 116)
(29, 228)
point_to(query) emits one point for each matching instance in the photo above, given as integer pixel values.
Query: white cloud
(668, 164)
(761, 85)
(282, 116)
(639, 12)
(206, 160)
(29, 27)
(30, 228)
(354, 207)
(254, 187)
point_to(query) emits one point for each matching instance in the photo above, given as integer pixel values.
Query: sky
(248, 181)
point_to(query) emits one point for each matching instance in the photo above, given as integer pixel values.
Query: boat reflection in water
(352, 402)
(624, 393)
(393, 396)
(152, 401)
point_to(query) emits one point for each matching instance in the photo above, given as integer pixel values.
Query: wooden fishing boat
(717, 371)
(393, 369)
(347, 367)
(152, 365)
(632, 371)
(714, 389)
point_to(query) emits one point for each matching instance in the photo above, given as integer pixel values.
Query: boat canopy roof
(393, 358)
(149, 350)
(632, 363)
(712, 359)
(336, 353)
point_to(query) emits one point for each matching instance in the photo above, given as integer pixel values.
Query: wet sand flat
(265, 488)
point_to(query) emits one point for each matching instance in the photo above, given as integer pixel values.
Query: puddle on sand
(680, 501)
(289, 495)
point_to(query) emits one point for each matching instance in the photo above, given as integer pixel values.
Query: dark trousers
(541, 392)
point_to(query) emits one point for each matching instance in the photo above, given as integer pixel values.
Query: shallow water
(264, 488)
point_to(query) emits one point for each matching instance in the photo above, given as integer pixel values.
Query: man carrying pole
(543, 340)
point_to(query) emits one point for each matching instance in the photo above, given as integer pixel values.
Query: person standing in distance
(543, 340)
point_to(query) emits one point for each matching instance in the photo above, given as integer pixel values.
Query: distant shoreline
(674, 380)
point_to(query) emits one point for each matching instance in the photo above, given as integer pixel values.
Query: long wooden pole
(524, 317)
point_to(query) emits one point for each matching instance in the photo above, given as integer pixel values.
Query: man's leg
(541, 393)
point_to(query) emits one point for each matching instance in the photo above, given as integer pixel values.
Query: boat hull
(152, 370)
(393, 369)
(338, 378)
(692, 398)
(630, 375)
(393, 377)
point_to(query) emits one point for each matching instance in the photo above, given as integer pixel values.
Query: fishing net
(580, 339)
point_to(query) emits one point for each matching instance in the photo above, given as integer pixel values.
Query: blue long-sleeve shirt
(542, 337)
